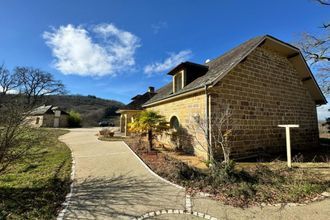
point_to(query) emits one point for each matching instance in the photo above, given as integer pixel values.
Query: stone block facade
(46, 120)
(184, 109)
(264, 91)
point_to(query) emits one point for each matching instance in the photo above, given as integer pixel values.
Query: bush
(106, 132)
(186, 172)
(74, 119)
(225, 173)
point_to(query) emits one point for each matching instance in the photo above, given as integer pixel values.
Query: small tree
(8, 81)
(16, 136)
(74, 119)
(150, 123)
(216, 133)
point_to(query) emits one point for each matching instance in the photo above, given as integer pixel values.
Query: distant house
(264, 81)
(48, 116)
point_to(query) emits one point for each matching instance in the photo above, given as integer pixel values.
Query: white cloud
(170, 62)
(158, 26)
(102, 50)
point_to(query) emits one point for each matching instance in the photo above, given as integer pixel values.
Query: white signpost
(288, 141)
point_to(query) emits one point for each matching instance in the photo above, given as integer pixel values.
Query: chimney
(151, 89)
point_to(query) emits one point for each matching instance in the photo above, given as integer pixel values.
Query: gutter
(174, 97)
(207, 119)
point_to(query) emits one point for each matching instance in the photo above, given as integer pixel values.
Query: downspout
(207, 119)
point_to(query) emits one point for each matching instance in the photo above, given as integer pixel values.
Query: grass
(35, 187)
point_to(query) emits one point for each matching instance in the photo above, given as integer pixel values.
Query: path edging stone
(175, 211)
(67, 201)
(151, 171)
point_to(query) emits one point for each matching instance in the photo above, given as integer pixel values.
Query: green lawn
(35, 187)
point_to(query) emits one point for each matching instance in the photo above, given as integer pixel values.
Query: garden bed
(35, 187)
(241, 185)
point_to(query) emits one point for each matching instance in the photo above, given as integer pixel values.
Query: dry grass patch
(241, 184)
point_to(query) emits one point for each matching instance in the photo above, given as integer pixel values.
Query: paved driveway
(111, 183)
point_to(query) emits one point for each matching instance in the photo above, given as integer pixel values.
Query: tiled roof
(138, 101)
(217, 68)
(42, 110)
(46, 109)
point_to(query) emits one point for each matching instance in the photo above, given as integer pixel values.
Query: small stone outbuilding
(48, 116)
(264, 81)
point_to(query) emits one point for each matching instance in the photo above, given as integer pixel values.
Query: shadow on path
(121, 196)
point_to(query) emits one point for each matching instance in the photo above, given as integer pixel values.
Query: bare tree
(35, 83)
(7, 80)
(216, 133)
(316, 49)
(323, 2)
(16, 137)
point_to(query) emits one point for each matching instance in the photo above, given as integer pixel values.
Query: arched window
(37, 120)
(174, 122)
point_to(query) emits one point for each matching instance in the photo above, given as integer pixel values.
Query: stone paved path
(111, 183)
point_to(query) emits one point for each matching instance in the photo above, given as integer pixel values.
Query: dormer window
(178, 81)
(185, 73)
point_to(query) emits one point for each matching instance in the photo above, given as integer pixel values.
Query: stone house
(130, 110)
(264, 81)
(48, 116)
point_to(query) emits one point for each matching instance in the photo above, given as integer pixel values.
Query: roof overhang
(185, 65)
(120, 111)
(174, 96)
(294, 55)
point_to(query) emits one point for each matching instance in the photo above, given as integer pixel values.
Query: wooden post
(288, 141)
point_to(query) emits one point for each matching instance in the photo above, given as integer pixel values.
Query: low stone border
(150, 170)
(175, 211)
(66, 203)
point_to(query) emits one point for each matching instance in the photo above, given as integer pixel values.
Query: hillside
(91, 108)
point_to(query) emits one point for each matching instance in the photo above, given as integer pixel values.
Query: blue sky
(116, 49)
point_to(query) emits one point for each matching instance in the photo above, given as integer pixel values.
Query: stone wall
(34, 121)
(264, 91)
(63, 121)
(184, 109)
(48, 120)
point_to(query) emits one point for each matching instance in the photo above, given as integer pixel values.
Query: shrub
(186, 172)
(222, 173)
(107, 132)
(74, 119)
(225, 173)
